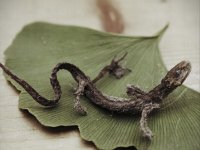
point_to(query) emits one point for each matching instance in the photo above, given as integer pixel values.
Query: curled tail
(75, 72)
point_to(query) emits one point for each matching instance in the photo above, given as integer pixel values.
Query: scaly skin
(143, 102)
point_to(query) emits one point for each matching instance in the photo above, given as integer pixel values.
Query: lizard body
(139, 101)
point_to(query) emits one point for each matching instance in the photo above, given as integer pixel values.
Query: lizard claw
(80, 109)
(148, 134)
(117, 70)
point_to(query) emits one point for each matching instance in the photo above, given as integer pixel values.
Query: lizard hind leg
(113, 68)
(116, 69)
(79, 91)
(143, 121)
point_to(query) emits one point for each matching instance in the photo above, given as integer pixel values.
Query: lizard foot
(80, 109)
(148, 134)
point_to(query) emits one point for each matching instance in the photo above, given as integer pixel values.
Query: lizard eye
(178, 72)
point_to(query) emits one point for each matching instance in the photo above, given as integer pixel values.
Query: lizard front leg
(143, 121)
(132, 90)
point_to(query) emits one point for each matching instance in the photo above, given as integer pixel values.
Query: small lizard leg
(114, 68)
(143, 121)
(101, 74)
(79, 91)
(134, 91)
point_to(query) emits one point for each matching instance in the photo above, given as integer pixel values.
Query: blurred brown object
(111, 18)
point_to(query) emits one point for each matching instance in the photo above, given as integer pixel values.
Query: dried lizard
(143, 102)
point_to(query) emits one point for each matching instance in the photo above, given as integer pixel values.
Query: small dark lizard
(139, 102)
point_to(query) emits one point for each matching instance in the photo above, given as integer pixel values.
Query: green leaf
(40, 46)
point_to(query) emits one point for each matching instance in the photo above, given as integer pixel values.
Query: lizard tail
(75, 72)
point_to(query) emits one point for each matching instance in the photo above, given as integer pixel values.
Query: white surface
(180, 42)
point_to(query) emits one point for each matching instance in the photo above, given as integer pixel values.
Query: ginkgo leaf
(40, 46)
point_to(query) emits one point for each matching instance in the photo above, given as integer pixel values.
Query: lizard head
(177, 75)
